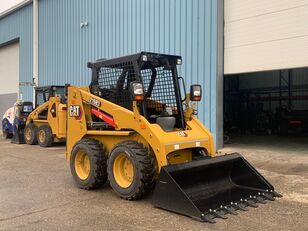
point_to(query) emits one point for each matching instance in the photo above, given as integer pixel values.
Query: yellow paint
(180, 156)
(57, 124)
(82, 164)
(133, 126)
(123, 171)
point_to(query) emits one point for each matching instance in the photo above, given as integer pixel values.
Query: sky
(6, 4)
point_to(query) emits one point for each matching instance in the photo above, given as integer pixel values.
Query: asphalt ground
(37, 192)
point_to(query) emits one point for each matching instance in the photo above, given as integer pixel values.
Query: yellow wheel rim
(82, 164)
(28, 134)
(42, 136)
(123, 171)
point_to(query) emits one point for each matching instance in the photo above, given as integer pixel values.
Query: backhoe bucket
(211, 187)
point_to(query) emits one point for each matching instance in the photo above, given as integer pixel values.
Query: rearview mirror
(195, 92)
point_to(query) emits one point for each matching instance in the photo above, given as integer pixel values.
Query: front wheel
(88, 164)
(30, 133)
(131, 170)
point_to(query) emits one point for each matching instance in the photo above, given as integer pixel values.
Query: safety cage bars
(111, 80)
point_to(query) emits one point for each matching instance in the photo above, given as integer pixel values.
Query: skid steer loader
(133, 128)
(47, 123)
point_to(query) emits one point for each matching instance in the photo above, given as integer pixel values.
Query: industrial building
(249, 56)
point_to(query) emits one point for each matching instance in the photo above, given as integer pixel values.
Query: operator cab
(42, 95)
(157, 73)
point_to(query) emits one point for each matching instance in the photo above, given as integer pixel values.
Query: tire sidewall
(33, 130)
(48, 136)
(130, 155)
(90, 178)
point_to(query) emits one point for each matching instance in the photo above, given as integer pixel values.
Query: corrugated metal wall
(120, 27)
(18, 25)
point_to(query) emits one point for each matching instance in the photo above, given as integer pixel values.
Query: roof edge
(15, 8)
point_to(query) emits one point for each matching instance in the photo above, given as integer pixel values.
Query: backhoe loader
(47, 122)
(135, 129)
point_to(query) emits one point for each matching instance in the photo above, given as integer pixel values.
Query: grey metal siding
(120, 27)
(18, 26)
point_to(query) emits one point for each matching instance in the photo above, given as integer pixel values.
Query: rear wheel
(88, 164)
(131, 170)
(30, 134)
(44, 136)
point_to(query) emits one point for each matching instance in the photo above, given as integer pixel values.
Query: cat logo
(74, 111)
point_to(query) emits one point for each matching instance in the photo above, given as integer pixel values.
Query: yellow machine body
(132, 127)
(54, 116)
(168, 147)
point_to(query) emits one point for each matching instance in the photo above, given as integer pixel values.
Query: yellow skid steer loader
(134, 127)
(47, 122)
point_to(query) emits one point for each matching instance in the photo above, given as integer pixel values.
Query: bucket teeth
(230, 210)
(242, 205)
(258, 199)
(251, 203)
(268, 196)
(218, 214)
(208, 218)
(276, 194)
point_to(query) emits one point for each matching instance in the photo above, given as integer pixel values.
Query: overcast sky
(6, 4)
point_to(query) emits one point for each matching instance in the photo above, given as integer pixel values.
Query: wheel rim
(42, 136)
(28, 134)
(82, 164)
(123, 171)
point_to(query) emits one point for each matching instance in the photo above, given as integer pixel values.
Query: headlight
(195, 92)
(179, 61)
(144, 58)
(137, 91)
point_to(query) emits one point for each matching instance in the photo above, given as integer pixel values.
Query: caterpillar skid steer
(134, 128)
(47, 122)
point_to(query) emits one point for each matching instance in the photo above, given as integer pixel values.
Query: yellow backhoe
(135, 128)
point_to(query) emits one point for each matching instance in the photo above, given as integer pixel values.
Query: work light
(195, 92)
(179, 61)
(144, 58)
(137, 91)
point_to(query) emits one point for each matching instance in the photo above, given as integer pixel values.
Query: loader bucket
(18, 136)
(211, 187)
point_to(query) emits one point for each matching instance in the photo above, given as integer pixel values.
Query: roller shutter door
(265, 35)
(9, 76)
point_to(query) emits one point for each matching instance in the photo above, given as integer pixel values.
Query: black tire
(47, 140)
(98, 164)
(30, 134)
(144, 169)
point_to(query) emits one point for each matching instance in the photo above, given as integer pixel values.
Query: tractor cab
(42, 94)
(156, 79)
